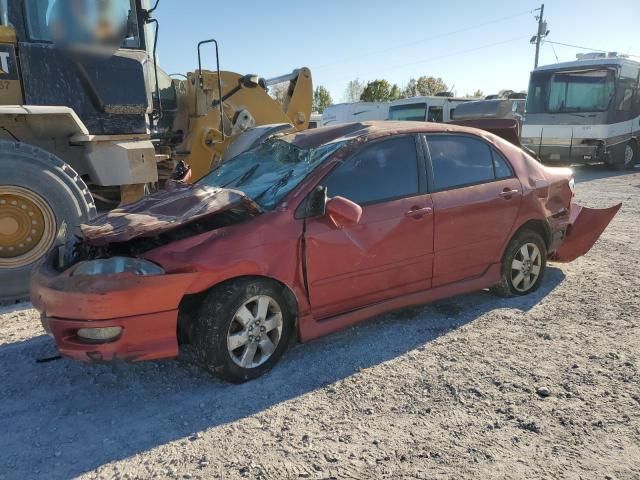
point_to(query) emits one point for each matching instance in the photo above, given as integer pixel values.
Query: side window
(435, 115)
(461, 160)
(501, 167)
(381, 171)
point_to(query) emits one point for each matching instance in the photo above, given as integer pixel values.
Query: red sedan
(308, 233)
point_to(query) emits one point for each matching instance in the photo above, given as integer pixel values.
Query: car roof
(368, 130)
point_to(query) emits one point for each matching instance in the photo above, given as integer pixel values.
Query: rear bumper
(143, 337)
(584, 229)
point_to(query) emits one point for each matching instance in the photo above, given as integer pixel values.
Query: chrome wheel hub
(27, 226)
(525, 267)
(255, 331)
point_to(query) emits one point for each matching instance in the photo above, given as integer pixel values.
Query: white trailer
(425, 109)
(354, 112)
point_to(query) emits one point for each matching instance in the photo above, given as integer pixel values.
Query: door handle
(418, 212)
(507, 194)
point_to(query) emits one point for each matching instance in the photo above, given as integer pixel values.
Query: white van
(425, 109)
(354, 112)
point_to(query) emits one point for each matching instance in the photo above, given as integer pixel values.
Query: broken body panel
(327, 269)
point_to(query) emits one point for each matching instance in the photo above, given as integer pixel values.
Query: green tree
(424, 86)
(478, 93)
(353, 91)
(321, 99)
(380, 91)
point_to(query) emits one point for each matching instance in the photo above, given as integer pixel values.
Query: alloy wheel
(255, 331)
(526, 267)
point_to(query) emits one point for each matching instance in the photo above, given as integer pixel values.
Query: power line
(438, 57)
(587, 48)
(423, 40)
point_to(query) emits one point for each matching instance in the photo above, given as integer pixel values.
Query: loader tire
(39, 193)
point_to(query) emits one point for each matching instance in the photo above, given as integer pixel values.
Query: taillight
(572, 186)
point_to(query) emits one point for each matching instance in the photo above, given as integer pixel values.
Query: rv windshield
(571, 91)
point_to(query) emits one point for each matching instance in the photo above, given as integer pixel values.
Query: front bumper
(143, 337)
(145, 307)
(566, 154)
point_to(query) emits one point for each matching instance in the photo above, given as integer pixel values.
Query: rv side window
(627, 89)
(435, 115)
(410, 111)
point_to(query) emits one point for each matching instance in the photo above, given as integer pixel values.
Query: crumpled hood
(164, 211)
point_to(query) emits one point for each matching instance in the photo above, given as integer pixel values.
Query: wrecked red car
(306, 234)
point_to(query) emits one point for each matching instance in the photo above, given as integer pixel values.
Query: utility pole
(542, 33)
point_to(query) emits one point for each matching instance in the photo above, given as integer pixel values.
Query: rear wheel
(242, 329)
(39, 194)
(523, 265)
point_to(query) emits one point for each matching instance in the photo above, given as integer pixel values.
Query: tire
(625, 157)
(510, 285)
(53, 194)
(219, 324)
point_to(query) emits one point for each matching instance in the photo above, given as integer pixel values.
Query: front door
(476, 198)
(390, 251)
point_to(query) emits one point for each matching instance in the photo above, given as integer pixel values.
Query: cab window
(107, 20)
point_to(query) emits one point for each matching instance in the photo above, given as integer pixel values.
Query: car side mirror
(343, 212)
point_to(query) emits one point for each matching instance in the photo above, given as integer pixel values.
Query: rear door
(390, 251)
(476, 198)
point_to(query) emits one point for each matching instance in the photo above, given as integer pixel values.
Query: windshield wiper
(282, 181)
(242, 178)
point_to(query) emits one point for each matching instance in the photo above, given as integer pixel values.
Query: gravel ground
(544, 386)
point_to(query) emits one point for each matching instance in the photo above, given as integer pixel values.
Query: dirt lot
(451, 390)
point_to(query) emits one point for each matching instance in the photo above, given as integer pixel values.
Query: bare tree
(353, 91)
(279, 91)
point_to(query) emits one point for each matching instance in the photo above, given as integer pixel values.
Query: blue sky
(470, 44)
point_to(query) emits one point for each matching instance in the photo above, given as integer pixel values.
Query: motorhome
(355, 112)
(429, 109)
(585, 111)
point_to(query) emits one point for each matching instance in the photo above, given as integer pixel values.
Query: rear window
(459, 160)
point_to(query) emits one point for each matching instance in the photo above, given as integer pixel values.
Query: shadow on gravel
(63, 418)
(588, 173)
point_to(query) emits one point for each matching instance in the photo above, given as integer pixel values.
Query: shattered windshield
(269, 171)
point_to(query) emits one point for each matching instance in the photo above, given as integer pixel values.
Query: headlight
(113, 265)
(572, 185)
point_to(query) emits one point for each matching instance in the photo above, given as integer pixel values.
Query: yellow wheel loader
(79, 132)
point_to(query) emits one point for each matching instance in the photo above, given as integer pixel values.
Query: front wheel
(41, 197)
(625, 157)
(523, 265)
(242, 329)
